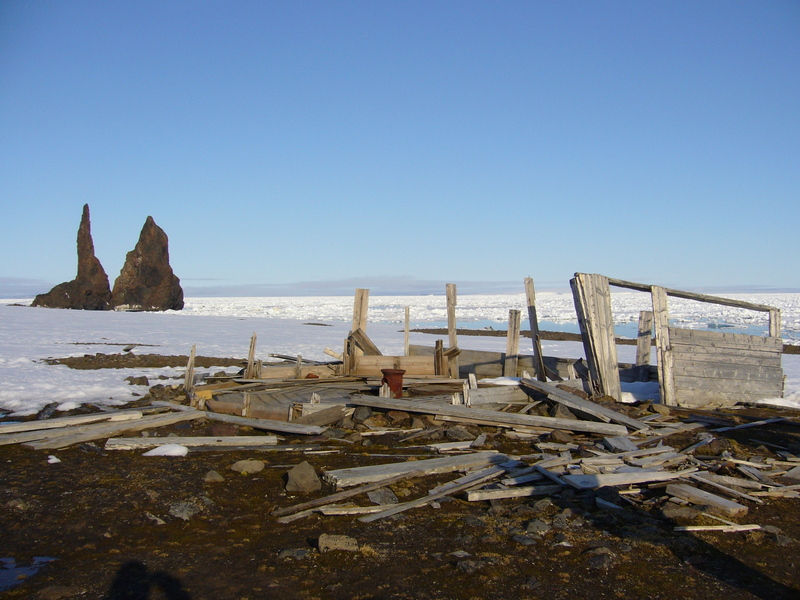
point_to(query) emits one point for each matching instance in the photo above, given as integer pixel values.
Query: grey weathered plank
(87, 433)
(572, 401)
(266, 424)
(738, 372)
(59, 422)
(715, 504)
(588, 482)
(224, 441)
(360, 475)
(500, 419)
(721, 339)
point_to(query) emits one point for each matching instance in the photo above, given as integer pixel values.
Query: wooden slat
(59, 422)
(360, 475)
(363, 341)
(87, 433)
(715, 504)
(225, 441)
(533, 319)
(721, 339)
(500, 419)
(644, 338)
(666, 376)
(266, 424)
(512, 344)
(587, 406)
(370, 366)
(729, 371)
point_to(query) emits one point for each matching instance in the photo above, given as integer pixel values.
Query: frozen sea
(305, 326)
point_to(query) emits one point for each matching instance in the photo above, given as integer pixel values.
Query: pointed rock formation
(90, 289)
(146, 281)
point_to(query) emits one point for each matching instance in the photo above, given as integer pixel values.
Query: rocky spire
(89, 290)
(146, 281)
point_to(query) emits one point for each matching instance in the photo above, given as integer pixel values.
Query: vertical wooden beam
(188, 379)
(452, 337)
(666, 376)
(645, 337)
(538, 359)
(360, 309)
(438, 358)
(775, 322)
(592, 298)
(406, 337)
(512, 344)
(249, 372)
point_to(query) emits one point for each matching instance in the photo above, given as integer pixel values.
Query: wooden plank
(666, 376)
(224, 441)
(452, 337)
(497, 394)
(59, 422)
(644, 339)
(188, 378)
(468, 482)
(775, 323)
(406, 331)
(533, 319)
(87, 433)
(360, 309)
(716, 504)
(754, 373)
(363, 341)
(323, 417)
(721, 339)
(343, 495)
(515, 492)
(587, 406)
(512, 344)
(700, 478)
(266, 424)
(724, 356)
(370, 366)
(250, 369)
(590, 482)
(642, 287)
(500, 419)
(432, 466)
(593, 305)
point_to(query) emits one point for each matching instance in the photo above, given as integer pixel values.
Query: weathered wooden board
(59, 422)
(360, 475)
(224, 441)
(588, 482)
(587, 406)
(716, 504)
(722, 339)
(266, 424)
(370, 366)
(87, 433)
(500, 419)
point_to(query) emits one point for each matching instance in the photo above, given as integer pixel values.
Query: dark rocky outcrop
(146, 281)
(89, 290)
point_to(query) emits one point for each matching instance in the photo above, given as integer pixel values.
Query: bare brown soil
(108, 520)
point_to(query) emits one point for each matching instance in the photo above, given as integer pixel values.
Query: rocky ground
(119, 525)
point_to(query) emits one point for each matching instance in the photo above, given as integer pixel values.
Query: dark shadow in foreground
(134, 582)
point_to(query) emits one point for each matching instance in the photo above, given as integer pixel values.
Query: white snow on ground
(223, 326)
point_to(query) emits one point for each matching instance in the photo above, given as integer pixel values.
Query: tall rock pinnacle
(146, 281)
(89, 290)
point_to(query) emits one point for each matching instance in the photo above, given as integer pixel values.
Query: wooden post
(452, 337)
(538, 359)
(249, 372)
(188, 380)
(360, 308)
(438, 358)
(592, 298)
(407, 330)
(512, 344)
(645, 337)
(775, 322)
(666, 376)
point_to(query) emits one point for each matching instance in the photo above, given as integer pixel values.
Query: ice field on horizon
(305, 326)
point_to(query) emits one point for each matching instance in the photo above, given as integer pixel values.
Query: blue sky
(404, 143)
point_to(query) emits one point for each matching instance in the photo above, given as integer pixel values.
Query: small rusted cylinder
(394, 379)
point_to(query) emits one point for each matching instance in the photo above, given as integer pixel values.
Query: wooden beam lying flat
(267, 424)
(151, 442)
(57, 423)
(431, 466)
(88, 433)
(572, 401)
(499, 419)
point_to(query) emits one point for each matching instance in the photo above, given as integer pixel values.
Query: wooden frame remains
(695, 367)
